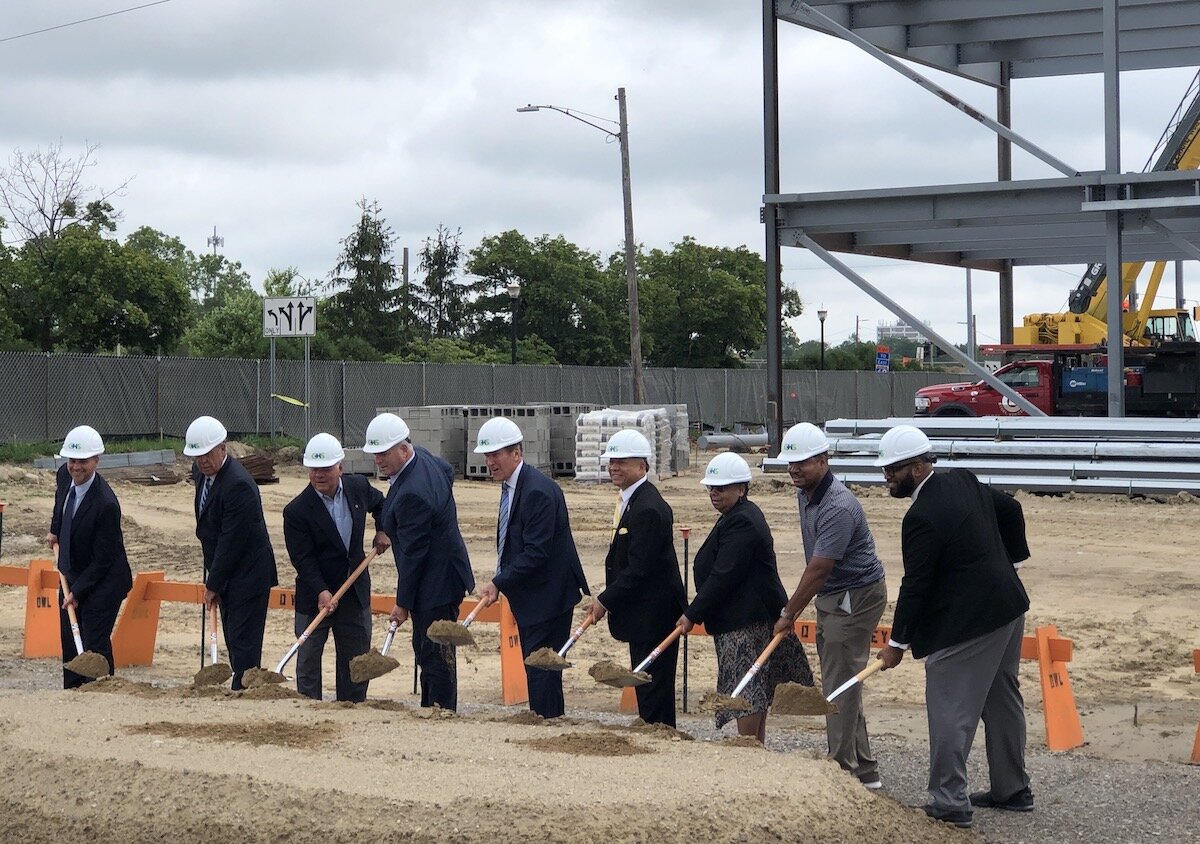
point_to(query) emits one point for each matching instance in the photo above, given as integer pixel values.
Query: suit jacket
(238, 557)
(99, 567)
(644, 590)
(737, 577)
(420, 516)
(315, 547)
(540, 572)
(959, 581)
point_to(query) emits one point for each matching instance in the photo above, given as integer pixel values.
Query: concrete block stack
(593, 430)
(679, 446)
(441, 428)
(534, 422)
(562, 434)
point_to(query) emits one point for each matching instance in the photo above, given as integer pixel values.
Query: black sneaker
(961, 818)
(1022, 801)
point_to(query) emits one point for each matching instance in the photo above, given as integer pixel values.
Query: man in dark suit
(961, 606)
(86, 527)
(323, 529)
(239, 564)
(643, 594)
(537, 566)
(432, 567)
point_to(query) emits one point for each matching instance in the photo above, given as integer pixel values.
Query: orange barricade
(1063, 727)
(1196, 743)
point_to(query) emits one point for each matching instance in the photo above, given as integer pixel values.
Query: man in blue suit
(537, 566)
(86, 527)
(239, 563)
(323, 528)
(432, 566)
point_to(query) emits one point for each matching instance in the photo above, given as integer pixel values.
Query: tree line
(68, 283)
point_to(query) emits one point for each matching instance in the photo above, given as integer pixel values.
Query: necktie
(64, 533)
(618, 511)
(502, 524)
(204, 488)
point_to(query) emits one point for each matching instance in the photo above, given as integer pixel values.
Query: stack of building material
(534, 422)
(1064, 454)
(441, 428)
(593, 430)
(562, 434)
(679, 445)
(261, 467)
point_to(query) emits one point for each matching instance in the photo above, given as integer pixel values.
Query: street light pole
(514, 294)
(635, 329)
(821, 314)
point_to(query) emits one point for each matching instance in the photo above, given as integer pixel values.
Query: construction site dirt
(149, 756)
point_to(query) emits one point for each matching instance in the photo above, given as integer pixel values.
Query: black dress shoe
(1022, 801)
(961, 818)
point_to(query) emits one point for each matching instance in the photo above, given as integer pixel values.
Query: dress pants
(243, 620)
(963, 683)
(351, 626)
(844, 646)
(545, 687)
(656, 699)
(96, 621)
(439, 663)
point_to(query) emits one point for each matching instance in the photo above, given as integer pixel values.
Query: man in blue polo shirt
(844, 575)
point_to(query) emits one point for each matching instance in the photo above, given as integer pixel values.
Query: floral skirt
(736, 652)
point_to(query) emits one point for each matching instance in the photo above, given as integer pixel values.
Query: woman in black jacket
(739, 597)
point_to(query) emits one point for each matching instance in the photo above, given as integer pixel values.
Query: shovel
(454, 632)
(720, 702)
(287, 657)
(87, 663)
(217, 672)
(611, 674)
(375, 663)
(874, 666)
(547, 659)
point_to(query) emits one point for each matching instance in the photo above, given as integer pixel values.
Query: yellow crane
(1084, 322)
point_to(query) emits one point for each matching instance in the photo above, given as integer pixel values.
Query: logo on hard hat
(485, 442)
(317, 455)
(789, 447)
(75, 446)
(714, 470)
(193, 445)
(372, 441)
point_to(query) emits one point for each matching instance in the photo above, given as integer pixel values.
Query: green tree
(441, 300)
(567, 300)
(369, 303)
(704, 306)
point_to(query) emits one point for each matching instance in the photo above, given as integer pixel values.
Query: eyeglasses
(891, 471)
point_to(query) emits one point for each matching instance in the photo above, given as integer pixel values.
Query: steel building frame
(1091, 217)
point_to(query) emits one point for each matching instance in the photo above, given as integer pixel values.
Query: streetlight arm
(571, 115)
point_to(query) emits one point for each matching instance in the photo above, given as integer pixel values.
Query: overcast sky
(269, 120)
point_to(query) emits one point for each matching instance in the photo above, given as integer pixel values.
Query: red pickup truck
(1164, 381)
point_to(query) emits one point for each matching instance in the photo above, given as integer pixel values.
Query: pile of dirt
(269, 692)
(89, 664)
(717, 702)
(255, 677)
(586, 744)
(257, 733)
(212, 675)
(546, 658)
(614, 674)
(795, 699)
(370, 665)
(450, 633)
(119, 685)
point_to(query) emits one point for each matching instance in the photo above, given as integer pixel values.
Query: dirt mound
(270, 692)
(795, 699)
(546, 658)
(432, 712)
(614, 674)
(257, 733)
(255, 677)
(119, 685)
(370, 665)
(89, 664)
(212, 675)
(717, 702)
(586, 744)
(450, 633)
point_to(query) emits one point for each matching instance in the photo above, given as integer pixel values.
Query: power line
(84, 20)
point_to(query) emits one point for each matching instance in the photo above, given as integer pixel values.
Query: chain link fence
(47, 395)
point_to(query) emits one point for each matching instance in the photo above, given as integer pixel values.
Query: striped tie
(502, 524)
(204, 493)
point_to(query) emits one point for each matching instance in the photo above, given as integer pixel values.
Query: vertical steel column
(1004, 174)
(770, 223)
(1112, 219)
(1179, 284)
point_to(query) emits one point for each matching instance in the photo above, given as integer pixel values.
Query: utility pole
(856, 340)
(635, 322)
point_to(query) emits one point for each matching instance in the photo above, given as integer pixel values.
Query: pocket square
(622, 531)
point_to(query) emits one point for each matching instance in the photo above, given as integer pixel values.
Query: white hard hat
(322, 451)
(901, 443)
(627, 443)
(384, 431)
(81, 443)
(497, 433)
(726, 468)
(802, 442)
(203, 435)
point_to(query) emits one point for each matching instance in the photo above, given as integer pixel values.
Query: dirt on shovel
(616, 675)
(370, 665)
(450, 633)
(212, 675)
(717, 702)
(255, 677)
(548, 659)
(795, 699)
(89, 664)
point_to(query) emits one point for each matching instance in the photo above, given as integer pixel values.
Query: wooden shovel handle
(666, 643)
(62, 579)
(480, 605)
(872, 667)
(212, 622)
(324, 611)
(770, 649)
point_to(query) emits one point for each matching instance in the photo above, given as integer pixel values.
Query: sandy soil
(132, 762)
